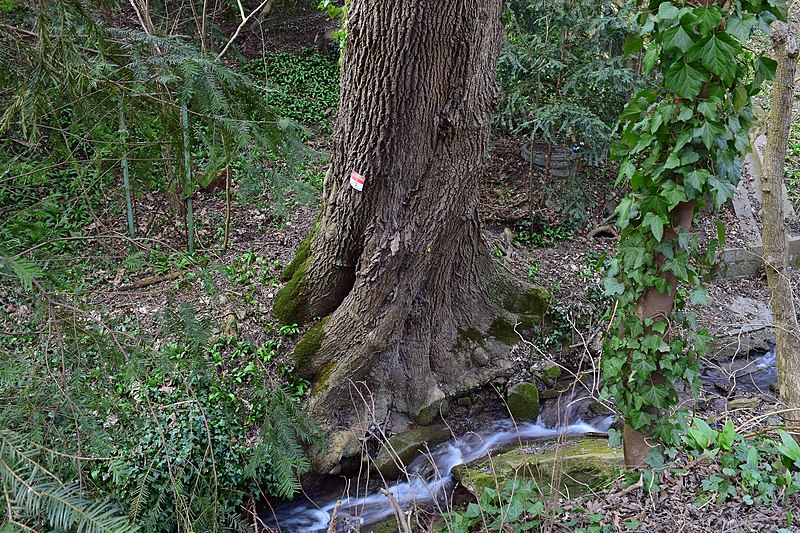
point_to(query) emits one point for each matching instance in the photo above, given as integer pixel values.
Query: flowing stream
(429, 478)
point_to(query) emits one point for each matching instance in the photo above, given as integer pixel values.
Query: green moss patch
(503, 330)
(533, 303)
(583, 462)
(322, 378)
(523, 401)
(468, 335)
(290, 303)
(310, 344)
(300, 257)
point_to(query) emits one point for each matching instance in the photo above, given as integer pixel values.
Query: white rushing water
(429, 475)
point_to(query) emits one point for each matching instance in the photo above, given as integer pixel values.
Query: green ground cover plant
(303, 87)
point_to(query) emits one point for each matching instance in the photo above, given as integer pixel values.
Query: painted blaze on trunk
(413, 307)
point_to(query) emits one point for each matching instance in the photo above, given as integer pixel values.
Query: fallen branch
(606, 228)
(152, 280)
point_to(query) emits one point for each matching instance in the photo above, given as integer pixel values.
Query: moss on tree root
(290, 303)
(310, 344)
(300, 257)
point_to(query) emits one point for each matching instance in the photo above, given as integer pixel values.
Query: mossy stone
(464, 401)
(502, 330)
(553, 371)
(404, 447)
(583, 464)
(549, 394)
(523, 401)
(469, 335)
(428, 415)
(387, 526)
(534, 301)
(597, 408)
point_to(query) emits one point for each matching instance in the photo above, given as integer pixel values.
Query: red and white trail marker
(357, 181)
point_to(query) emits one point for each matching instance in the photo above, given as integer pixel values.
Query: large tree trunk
(411, 299)
(787, 334)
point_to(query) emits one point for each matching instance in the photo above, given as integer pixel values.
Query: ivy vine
(680, 149)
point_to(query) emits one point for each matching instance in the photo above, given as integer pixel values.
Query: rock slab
(573, 467)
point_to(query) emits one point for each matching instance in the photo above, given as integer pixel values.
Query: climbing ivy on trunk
(680, 149)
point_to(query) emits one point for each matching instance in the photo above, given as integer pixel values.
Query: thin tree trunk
(787, 334)
(126, 183)
(414, 308)
(187, 185)
(654, 304)
(227, 236)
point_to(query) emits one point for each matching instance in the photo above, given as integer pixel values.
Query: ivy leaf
(694, 181)
(708, 18)
(685, 80)
(672, 161)
(633, 43)
(708, 132)
(739, 98)
(780, 8)
(764, 20)
(643, 366)
(684, 137)
(720, 233)
(674, 194)
(637, 180)
(689, 156)
(740, 27)
(718, 56)
(626, 170)
(728, 166)
(639, 419)
(699, 296)
(684, 238)
(708, 108)
(656, 223)
(618, 150)
(723, 190)
(650, 58)
(765, 71)
(613, 286)
(686, 113)
(676, 37)
(667, 11)
(655, 395)
(625, 211)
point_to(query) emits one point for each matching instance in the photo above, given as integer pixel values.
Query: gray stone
(403, 448)
(744, 403)
(480, 357)
(749, 261)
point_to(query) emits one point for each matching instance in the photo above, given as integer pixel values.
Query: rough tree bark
(776, 259)
(414, 308)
